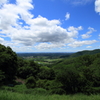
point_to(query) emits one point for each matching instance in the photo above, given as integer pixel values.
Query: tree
(27, 69)
(1, 77)
(25, 72)
(35, 67)
(30, 82)
(68, 76)
(95, 67)
(46, 73)
(8, 64)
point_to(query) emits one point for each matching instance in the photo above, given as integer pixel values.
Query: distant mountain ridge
(60, 54)
(85, 52)
(47, 54)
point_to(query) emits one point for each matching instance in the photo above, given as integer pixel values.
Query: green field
(44, 60)
(7, 95)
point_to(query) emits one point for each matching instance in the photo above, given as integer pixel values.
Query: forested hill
(85, 52)
(79, 74)
(67, 76)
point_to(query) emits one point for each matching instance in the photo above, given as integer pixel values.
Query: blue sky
(50, 25)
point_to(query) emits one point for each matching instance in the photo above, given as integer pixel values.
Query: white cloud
(1, 40)
(99, 36)
(97, 6)
(49, 46)
(80, 43)
(89, 47)
(3, 2)
(39, 32)
(73, 31)
(23, 7)
(79, 2)
(67, 16)
(10, 14)
(41, 21)
(47, 33)
(88, 34)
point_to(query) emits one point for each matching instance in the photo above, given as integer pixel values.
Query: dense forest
(74, 74)
(85, 52)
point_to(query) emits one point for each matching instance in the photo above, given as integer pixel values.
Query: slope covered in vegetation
(85, 52)
(8, 65)
(68, 76)
(79, 74)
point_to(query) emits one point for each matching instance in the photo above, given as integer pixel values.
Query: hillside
(79, 74)
(62, 76)
(85, 52)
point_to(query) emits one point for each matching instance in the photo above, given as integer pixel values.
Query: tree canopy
(8, 64)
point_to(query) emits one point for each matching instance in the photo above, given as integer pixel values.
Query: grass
(23, 90)
(20, 92)
(8, 95)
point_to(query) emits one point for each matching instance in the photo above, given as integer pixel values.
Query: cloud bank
(81, 43)
(18, 23)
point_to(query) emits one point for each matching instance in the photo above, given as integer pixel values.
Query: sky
(50, 25)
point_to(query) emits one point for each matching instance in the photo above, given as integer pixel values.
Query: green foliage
(39, 91)
(46, 73)
(79, 74)
(17, 88)
(41, 83)
(21, 62)
(52, 86)
(30, 82)
(35, 66)
(22, 89)
(55, 87)
(25, 72)
(7, 95)
(68, 76)
(1, 77)
(27, 69)
(85, 52)
(59, 91)
(8, 64)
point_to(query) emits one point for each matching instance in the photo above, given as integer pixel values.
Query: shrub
(40, 91)
(59, 91)
(41, 83)
(30, 82)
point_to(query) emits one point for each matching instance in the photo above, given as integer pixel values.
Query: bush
(92, 90)
(30, 82)
(59, 91)
(1, 78)
(39, 91)
(41, 83)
